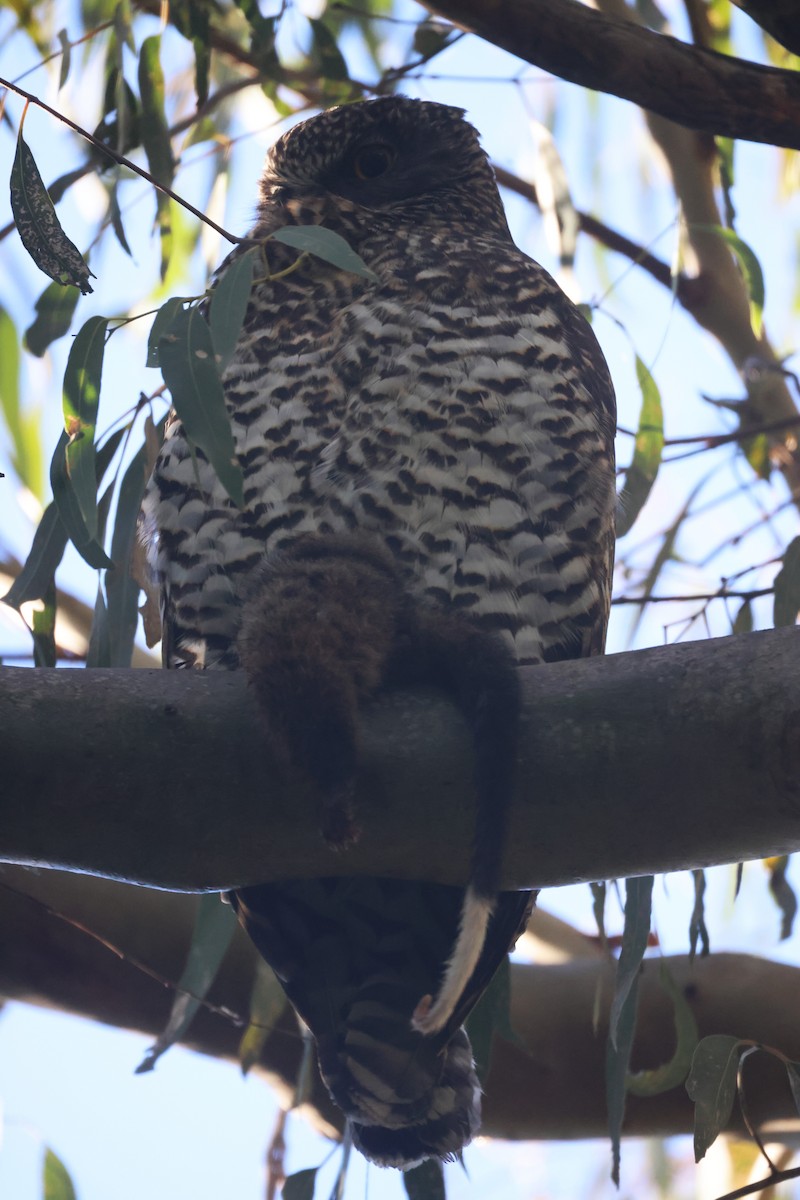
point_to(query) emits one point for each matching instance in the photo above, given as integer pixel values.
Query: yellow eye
(370, 162)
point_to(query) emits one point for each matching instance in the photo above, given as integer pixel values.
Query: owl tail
(405, 1100)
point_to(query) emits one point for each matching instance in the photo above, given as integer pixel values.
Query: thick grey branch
(696, 87)
(658, 760)
(531, 1091)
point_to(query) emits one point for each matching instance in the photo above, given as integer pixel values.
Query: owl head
(380, 154)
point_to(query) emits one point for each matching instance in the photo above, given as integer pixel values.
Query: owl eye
(370, 162)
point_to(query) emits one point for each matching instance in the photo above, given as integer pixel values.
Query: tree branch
(698, 88)
(530, 1091)
(692, 753)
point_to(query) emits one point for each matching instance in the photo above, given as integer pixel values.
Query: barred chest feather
(445, 408)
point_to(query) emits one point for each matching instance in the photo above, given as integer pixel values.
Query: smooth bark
(680, 756)
(551, 1086)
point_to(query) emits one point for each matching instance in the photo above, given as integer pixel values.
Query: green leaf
(671, 1074)
(743, 621)
(122, 590)
(648, 448)
(787, 587)
(751, 270)
(782, 892)
(115, 216)
(712, 1086)
(186, 354)
(213, 930)
(192, 21)
(161, 323)
(55, 309)
(98, 654)
(154, 133)
(229, 305)
(56, 1182)
(80, 400)
(697, 922)
(638, 898)
(622, 1018)
(44, 631)
(39, 227)
(618, 1057)
(491, 1015)
(46, 552)
(327, 245)
(66, 57)
(793, 1071)
(425, 1182)
(300, 1186)
(325, 53)
(23, 427)
(69, 509)
(267, 1002)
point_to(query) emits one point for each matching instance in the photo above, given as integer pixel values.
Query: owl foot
(339, 827)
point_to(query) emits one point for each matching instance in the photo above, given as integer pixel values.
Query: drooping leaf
(300, 1186)
(66, 58)
(155, 131)
(229, 305)
(672, 1073)
(97, 654)
(213, 930)
(787, 586)
(267, 1002)
(793, 1072)
(782, 892)
(325, 53)
(618, 1057)
(425, 1182)
(55, 309)
(697, 923)
(743, 621)
(46, 552)
(56, 1181)
(69, 509)
(23, 428)
(648, 448)
(161, 323)
(39, 227)
(599, 894)
(192, 20)
(622, 1018)
(712, 1087)
(80, 400)
(186, 355)
(327, 245)
(44, 630)
(491, 1015)
(115, 216)
(122, 590)
(638, 903)
(750, 268)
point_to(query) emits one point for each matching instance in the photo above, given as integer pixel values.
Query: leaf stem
(120, 159)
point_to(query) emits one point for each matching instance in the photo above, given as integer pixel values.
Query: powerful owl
(427, 452)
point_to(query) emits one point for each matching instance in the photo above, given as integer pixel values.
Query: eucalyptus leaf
(327, 245)
(39, 227)
(213, 930)
(186, 355)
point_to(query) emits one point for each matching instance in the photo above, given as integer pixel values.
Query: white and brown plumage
(429, 494)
